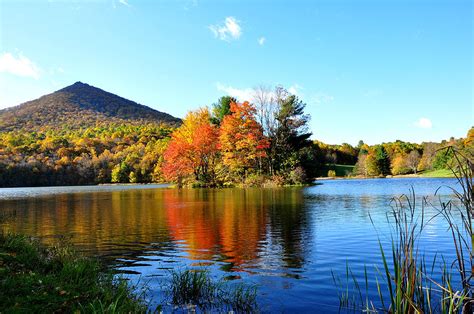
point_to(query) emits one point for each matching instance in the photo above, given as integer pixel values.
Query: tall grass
(197, 289)
(406, 282)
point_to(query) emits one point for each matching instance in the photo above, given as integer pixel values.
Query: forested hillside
(78, 106)
(83, 135)
(104, 154)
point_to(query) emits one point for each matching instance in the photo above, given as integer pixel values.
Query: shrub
(254, 180)
(275, 181)
(298, 176)
(332, 173)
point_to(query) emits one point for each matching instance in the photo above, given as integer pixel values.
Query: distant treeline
(103, 154)
(395, 158)
(263, 143)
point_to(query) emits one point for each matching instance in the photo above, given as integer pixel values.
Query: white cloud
(124, 2)
(230, 30)
(321, 98)
(424, 123)
(19, 65)
(248, 94)
(295, 89)
(261, 41)
(241, 94)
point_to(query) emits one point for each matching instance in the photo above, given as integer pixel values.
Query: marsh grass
(406, 282)
(197, 289)
(38, 279)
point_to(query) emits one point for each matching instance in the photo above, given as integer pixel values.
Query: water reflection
(235, 226)
(287, 241)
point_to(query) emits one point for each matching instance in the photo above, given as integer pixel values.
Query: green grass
(197, 288)
(341, 170)
(441, 173)
(36, 279)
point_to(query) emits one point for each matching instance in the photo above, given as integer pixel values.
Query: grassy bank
(34, 279)
(441, 173)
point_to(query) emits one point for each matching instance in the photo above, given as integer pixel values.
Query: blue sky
(372, 70)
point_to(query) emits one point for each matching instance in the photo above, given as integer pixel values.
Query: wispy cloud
(424, 123)
(124, 2)
(321, 98)
(261, 41)
(56, 70)
(248, 94)
(18, 65)
(188, 4)
(241, 94)
(231, 29)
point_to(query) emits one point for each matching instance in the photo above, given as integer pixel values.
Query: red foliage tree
(241, 138)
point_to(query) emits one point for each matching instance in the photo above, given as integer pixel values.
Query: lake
(287, 241)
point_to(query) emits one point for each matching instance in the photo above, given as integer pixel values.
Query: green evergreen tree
(383, 161)
(221, 108)
(290, 137)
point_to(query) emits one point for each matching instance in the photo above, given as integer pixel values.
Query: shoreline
(399, 176)
(172, 186)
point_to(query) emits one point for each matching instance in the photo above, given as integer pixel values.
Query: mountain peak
(79, 105)
(77, 85)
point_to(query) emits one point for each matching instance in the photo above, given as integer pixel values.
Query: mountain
(76, 106)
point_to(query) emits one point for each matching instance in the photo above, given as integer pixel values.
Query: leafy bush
(255, 180)
(298, 176)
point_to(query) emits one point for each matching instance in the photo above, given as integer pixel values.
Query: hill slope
(79, 105)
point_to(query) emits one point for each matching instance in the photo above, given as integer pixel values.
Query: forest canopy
(263, 143)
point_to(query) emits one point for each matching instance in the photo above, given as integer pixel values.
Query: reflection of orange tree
(243, 225)
(231, 223)
(191, 220)
(216, 222)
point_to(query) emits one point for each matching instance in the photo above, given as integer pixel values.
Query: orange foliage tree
(242, 143)
(193, 150)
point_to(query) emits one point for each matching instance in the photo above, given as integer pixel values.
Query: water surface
(287, 241)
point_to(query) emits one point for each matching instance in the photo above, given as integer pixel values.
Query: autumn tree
(120, 173)
(426, 161)
(360, 167)
(241, 139)
(192, 150)
(371, 163)
(399, 164)
(413, 159)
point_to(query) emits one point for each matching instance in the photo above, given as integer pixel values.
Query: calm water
(287, 241)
